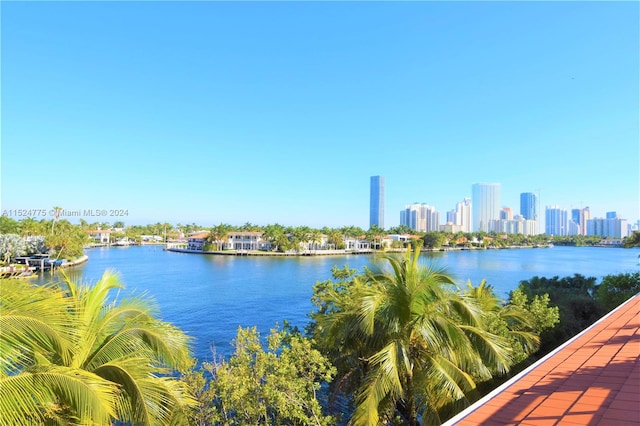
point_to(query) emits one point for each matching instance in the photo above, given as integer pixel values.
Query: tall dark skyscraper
(376, 208)
(529, 205)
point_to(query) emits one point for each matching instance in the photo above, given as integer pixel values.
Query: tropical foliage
(72, 354)
(59, 238)
(518, 320)
(282, 238)
(11, 246)
(66, 240)
(615, 289)
(632, 240)
(277, 386)
(574, 297)
(405, 340)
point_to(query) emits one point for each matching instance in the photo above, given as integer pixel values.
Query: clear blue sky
(279, 112)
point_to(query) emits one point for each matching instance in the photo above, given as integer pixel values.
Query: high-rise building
(556, 221)
(610, 227)
(421, 217)
(376, 207)
(529, 205)
(486, 205)
(612, 215)
(580, 217)
(506, 213)
(452, 217)
(463, 215)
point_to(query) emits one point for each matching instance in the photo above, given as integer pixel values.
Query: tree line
(66, 240)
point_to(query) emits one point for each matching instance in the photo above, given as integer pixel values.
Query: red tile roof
(199, 235)
(594, 379)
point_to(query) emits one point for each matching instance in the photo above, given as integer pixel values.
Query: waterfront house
(246, 240)
(100, 236)
(610, 242)
(386, 242)
(321, 244)
(401, 238)
(357, 243)
(196, 240)
(151, 238)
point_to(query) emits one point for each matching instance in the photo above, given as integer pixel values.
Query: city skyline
(279, 112)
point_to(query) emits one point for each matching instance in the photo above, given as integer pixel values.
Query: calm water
(210, 296)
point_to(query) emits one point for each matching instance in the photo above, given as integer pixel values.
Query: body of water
(210, 296)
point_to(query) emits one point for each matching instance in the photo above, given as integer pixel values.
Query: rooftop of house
(593, 379)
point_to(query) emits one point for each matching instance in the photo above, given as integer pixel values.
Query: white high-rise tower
(485, 205)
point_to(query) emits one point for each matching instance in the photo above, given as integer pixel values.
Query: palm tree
(511, 320)
(419, 340)
(219, 234)
(276, 236)
(314, 238)
(56, 211)
(336, 238)
(301, 235)
(374, 235)
(72, 355)
(352, 231)
(30, 227)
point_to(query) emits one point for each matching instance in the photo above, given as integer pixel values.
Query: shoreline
(333, 252)
(275, 254)
(27, 271)
(82, 259)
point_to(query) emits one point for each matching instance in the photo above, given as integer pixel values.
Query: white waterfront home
(100, 236)
(246, 240)
(357, 243)
(236, 240)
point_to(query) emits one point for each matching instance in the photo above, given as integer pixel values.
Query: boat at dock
(39, 262)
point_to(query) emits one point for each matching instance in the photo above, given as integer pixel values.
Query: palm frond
(33, 396)
(449, 378)
(32, 318)
(494, 350)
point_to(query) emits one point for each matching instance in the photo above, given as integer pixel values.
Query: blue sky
(279, 112)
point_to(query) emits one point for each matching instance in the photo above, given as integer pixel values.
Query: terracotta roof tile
(594, 379)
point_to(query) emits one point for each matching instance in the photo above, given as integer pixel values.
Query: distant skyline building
(516, 225)
(613, 227)
(485, 205)
(580, 218)
(376, 207)
(529, 205)
(420, 217)
(506, 213)
(556, 222)
(452, 217)
(461, 216)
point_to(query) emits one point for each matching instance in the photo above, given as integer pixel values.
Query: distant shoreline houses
(104, 237)
(244, 242)
(254, 241)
